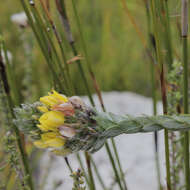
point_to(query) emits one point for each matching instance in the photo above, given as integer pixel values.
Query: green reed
(56, 51)
(98, 92)
(160, 60)
(19, 137)
(184, 29)
(53, 59)
(154, 88)
(92, 75)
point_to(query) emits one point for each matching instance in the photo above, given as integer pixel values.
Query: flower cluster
(56, 122)
(51, 123)
(67, 125)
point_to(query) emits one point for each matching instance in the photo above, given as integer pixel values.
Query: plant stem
(184, 22)
(82, 167)
(59, 40)
(153, 82)
(88, 159)
(24, 158)
(96, 87)
(163, 88)
(11, 77)
(42, 41)
(98, 175)
(167, 34)
(122, 175)
(114, 166)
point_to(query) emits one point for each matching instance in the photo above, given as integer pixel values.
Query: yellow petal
(63, 152)
(50, 139)
(43, 127)
(49, 100)
(52, 119)
(43, 109)
(59, 97)
(40, 144)
(48, 136)
(57, 142)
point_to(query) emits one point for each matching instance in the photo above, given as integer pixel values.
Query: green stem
(83, 75)
(24, 158)
(96, 88)
(98, 175)
(42, 43)
(163, 88)
(68, 164)
(59, 41)
(154, 98)
(82, 167)
(46, 37)
(122, 175)
(88, 160)
(114, 166)
(11, 76)
(164, 17)
(184, 18)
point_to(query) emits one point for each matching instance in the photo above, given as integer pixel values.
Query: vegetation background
(115, 51)
(116, 40)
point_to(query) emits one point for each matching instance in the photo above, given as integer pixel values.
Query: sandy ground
(136, 150)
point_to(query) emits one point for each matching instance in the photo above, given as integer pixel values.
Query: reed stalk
(167, 39)
(153, 83)
(82, 167)
(88, 160)
(24, 157)
(97, 89)
(46, 36)
(163, 88)
(11, 76)
(44, 40)
(184, 30)
(60, 43)
(63, 14)
(42, 43)
(69, 84)
(98, 175)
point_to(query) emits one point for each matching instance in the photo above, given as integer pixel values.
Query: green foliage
(27, 118)
(13, 161)
(104, 34)
(78, 181)
(117, 56)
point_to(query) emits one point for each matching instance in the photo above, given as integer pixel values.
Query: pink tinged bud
(67, 131)
(77, 102)
(66, 108)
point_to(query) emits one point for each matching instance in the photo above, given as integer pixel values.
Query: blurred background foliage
(116, 53)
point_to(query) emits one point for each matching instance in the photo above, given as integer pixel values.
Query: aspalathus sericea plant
(65, 125)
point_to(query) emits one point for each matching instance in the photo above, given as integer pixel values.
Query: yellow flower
(50, 139)
(43, 109)
(40, 144)
(53, 99)
(58, 96)
(51, 120)
(43, 127)
(48, 136)
(63, 152)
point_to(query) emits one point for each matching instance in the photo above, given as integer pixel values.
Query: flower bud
(77, 102)
(67, 131)
(66, 108)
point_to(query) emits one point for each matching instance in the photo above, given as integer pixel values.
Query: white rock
(136, 150)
